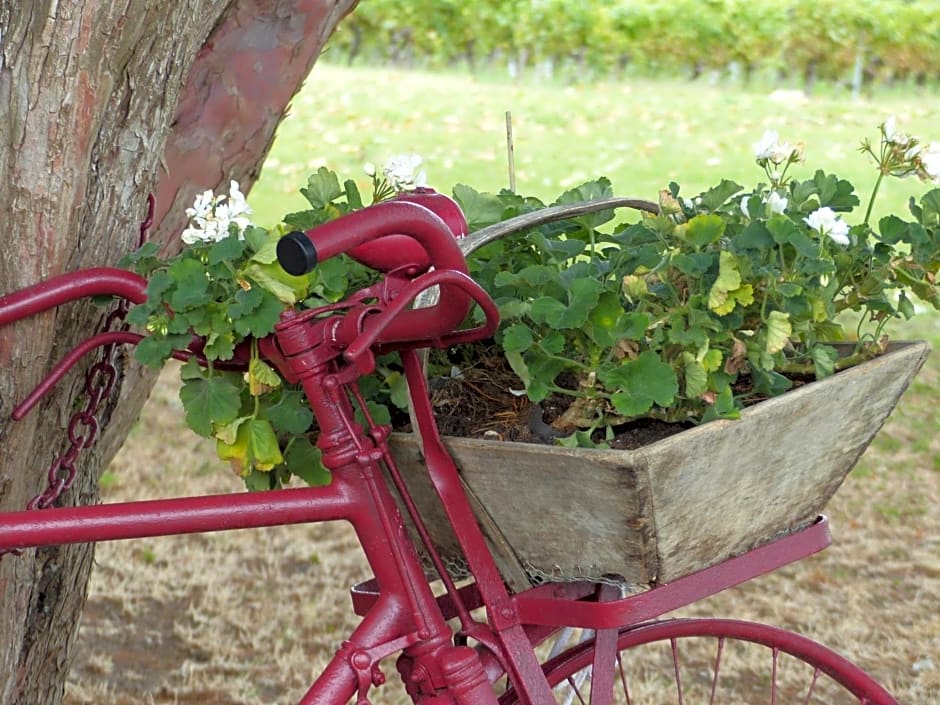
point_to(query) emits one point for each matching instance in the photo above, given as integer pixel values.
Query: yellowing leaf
(634, 287)
(229, 432)
(261, 377)
(255, 447)
(237, 452)
(712, 360)
(778, 331)
(729, 279)
(727, 291)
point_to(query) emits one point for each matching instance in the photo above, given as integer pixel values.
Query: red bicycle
(475, 641)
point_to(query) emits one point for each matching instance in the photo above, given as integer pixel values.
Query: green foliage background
(806, 40)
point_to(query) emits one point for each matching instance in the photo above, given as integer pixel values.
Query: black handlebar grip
(296, 253)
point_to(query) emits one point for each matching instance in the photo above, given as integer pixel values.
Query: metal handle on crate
(527, 221)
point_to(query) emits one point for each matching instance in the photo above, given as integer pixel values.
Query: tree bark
(103, 102)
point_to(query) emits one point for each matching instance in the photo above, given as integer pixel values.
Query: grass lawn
(641, 134)
(246, 618)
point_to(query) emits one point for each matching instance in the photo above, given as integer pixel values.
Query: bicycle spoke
(812, 687)
(623, 679)
(773, 677)
(575, 688)
(718, 654)
(675, 664)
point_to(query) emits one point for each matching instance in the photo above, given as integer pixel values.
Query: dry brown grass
(250, 617)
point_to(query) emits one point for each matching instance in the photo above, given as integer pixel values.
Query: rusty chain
(83, 426)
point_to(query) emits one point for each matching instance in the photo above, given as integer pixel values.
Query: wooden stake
(510, 152)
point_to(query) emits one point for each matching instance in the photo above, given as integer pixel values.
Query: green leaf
(641, 383)
(267, 253)
(723, 408)
(547, 311)
(261, 320)
(228, 249)
(834, 192)
(824, 360)
(305, 461)
(694, 264)
(781, 228)
(580, 439)
(632, 326)
(696, 378)
(214, 400)
(892, 229)
(718, 195)
(929, 212)
(154, 350)
(192, 285)
(704, 230)
(291, 414)
(583, 296)
(519, 366)
(480, 209)
(286, 287)
(220, 345)
(755, 236)
(552, 343)
(265, 450)
(604, 320)
(353, 197)
(517, 338)
(256, 237)
(322, 188)
(257, 481)
(143, 260)
(398, 389)
(590, 191)
(513, 308)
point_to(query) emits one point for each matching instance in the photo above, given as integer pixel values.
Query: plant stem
(874, 193)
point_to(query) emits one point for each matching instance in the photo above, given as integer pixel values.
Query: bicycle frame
(327, 354)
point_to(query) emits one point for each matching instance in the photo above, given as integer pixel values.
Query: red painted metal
(66, 363)
(670, 632)
(429, 235)
(560, 610)
(326, 352)
(98, 281)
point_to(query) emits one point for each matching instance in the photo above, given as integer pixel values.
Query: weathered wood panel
(683, 503)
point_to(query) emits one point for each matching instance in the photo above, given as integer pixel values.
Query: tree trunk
(103, 102)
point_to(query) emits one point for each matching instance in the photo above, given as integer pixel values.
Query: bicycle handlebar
(389, 236)
(97, 281)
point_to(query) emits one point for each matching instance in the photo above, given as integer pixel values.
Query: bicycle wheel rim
(825, 662)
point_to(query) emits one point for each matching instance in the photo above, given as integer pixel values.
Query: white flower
(744, 200)
(930, 162)
(211, 216)
(770, 148)
(202, 205)
(402, 173)
(764, 147)
(826, 222)
(776, 203)
(369, 169)
(892, 136)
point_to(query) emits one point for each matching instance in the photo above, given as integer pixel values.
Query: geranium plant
(682, 315)
(720, 298)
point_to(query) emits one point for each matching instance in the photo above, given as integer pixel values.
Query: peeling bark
(101, 103)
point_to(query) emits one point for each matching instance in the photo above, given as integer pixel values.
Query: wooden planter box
(678, 505)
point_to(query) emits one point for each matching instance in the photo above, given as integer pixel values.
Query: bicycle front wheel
(702, 661)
